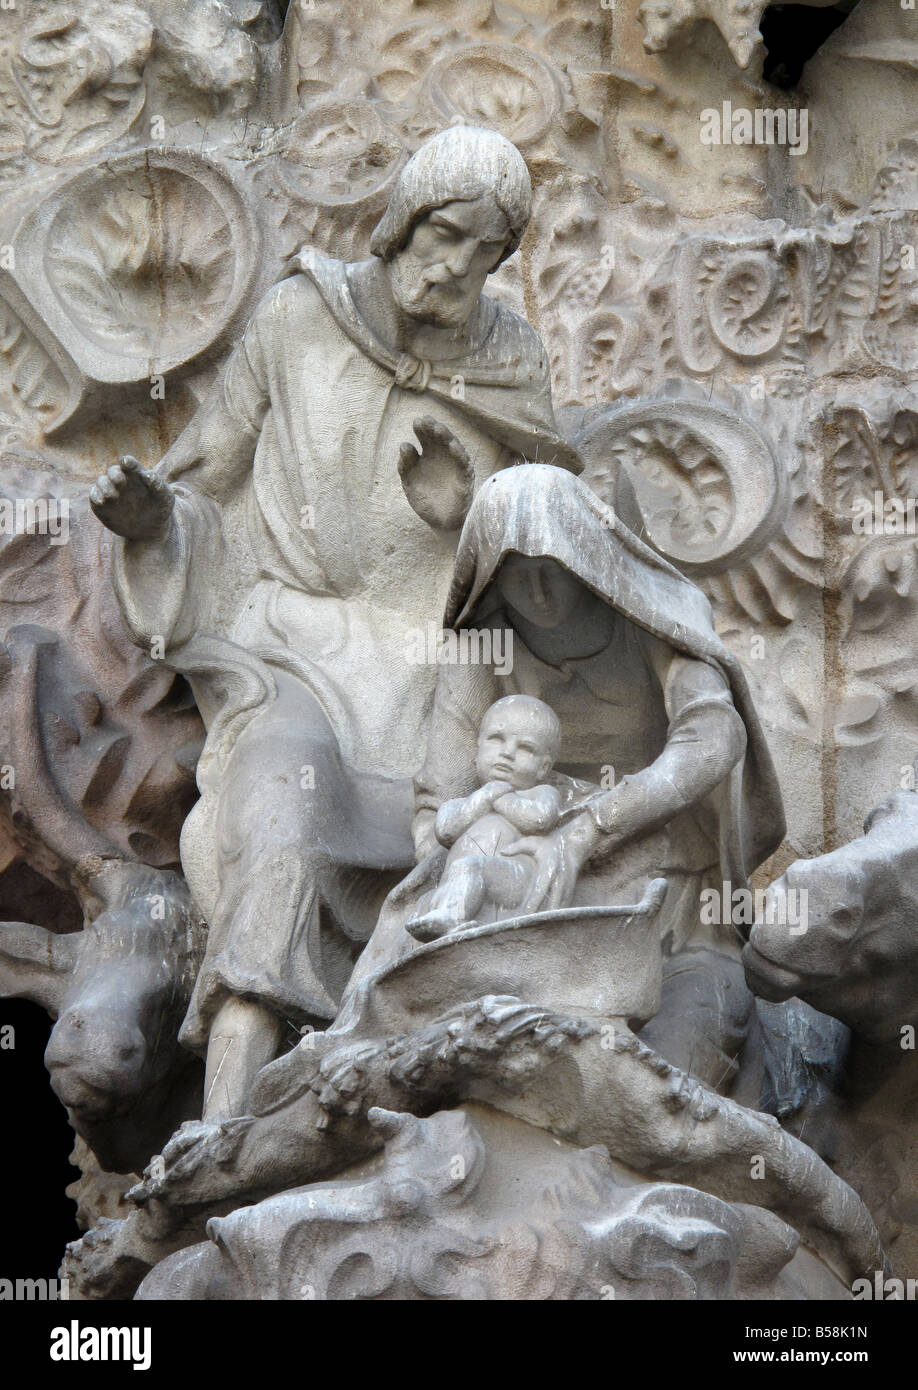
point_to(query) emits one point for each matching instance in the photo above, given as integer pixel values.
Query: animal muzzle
(97, 1061)
(767, 979)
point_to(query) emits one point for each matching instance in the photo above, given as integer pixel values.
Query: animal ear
(36, 964)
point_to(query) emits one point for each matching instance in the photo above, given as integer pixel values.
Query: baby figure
(517, 745)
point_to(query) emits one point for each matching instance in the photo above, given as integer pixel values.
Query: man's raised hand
(439, 481)
(132, 502)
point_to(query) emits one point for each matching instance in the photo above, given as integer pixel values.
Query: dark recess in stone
(793, 33)
(40, 1218)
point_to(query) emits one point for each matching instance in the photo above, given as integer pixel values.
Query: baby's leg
(468, 884)
(455, 902)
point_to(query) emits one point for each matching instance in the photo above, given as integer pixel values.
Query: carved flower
(501, 86)
(150, 267)
(138, 263)
(342, 151)
(694, 501)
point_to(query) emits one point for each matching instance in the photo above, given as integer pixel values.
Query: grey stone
(495, 417)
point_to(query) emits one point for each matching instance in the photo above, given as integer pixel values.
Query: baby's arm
(532, 812)
(455, 817)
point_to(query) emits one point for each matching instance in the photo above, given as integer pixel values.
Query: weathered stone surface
(457, 547)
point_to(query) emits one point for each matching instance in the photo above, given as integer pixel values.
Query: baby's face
(513, 746)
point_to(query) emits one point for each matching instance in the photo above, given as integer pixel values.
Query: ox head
(849, 948)
(118, 991)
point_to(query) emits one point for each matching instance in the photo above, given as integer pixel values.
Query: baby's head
(518, 742)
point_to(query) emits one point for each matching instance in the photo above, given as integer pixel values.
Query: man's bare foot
(183, 1174)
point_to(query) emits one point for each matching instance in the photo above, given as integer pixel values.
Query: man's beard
(443, 302)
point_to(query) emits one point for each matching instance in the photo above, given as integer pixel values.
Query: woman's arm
(705, 739)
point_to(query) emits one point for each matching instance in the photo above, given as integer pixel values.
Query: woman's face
(540, 590)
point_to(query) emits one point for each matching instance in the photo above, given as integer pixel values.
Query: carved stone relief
(457, 514)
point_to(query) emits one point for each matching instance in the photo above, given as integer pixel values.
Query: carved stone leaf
(856, 462)
(879, 586)
(78, 72)
(902, 439)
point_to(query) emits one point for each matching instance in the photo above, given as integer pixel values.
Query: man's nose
(460, 258)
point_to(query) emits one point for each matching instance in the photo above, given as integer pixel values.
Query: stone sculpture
(118, 990)
(620, 645)
(855, 964)
(101, 744)
(488, 832)
(583, 567)
(281, 635)
(432, 749)
(409, 321)
(631, 1240)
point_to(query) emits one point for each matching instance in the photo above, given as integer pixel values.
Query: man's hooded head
(460, 165)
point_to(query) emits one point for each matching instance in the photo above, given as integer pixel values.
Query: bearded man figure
(284, 550)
